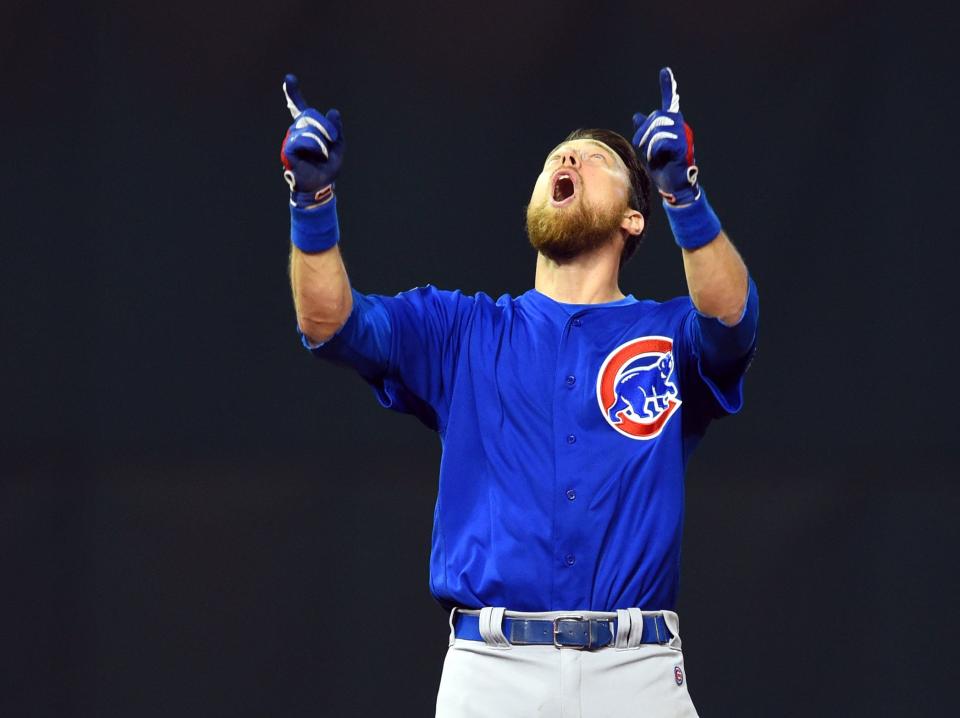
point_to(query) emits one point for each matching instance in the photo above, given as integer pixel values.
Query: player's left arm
(720, 286)
(717, 279)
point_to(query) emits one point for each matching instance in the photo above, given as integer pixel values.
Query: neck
(588, 278)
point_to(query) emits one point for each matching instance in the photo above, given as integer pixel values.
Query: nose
(569, 158)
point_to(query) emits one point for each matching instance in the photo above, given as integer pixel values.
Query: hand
(665, 150)
(312, 150)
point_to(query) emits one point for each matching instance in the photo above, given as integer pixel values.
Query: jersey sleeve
(405, 346)
(715, 356)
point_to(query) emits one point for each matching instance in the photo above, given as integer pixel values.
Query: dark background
(198, 518)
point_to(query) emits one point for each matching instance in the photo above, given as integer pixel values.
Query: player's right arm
(312, 153)
(405, 346)
(321, 292)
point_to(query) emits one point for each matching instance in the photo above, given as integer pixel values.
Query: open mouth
(564, 188)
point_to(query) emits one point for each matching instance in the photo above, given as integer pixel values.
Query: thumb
(638, 119)
(291, 90)
(334, 117)
(669, 98)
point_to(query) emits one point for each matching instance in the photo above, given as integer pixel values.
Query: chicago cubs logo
(678, 675)
(635, 387)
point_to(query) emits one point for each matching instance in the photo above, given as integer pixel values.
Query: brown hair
(639, 179)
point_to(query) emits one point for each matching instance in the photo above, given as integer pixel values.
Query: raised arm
(717, 277)
(312, 153)
(321, 292)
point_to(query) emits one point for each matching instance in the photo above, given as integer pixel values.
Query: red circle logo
(636, 387)
(678, 675)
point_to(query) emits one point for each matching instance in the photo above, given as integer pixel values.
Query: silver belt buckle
(556, 631)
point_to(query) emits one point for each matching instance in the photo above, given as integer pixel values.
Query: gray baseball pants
(494, 679)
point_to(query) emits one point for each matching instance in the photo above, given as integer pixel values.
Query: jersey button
(576, 322)
(571, 439)
(571, 494)
(570, 559)
(571, 380)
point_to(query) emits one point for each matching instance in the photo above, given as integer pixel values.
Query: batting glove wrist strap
(694, 224)
(307, 200)
(316, 229)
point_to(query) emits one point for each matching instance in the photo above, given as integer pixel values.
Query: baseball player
(567, 415)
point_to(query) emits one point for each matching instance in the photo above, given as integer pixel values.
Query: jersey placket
(570, 566)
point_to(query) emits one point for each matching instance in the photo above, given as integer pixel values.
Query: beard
(562, 234)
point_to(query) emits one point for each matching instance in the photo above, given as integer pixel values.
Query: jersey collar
(547, 304)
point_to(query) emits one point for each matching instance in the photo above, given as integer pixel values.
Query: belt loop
(623, 629)
(636, 628)
(453, 635)
(672, 620)
(491, 627)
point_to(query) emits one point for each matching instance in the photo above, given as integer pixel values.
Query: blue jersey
(565, 432)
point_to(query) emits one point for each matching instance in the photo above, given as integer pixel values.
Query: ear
(632, 222)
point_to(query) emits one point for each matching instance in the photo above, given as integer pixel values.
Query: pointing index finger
(669, 97)
(291, 90)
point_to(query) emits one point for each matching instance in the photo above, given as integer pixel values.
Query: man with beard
(567, 415)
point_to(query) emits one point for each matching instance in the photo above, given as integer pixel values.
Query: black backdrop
(197, 518)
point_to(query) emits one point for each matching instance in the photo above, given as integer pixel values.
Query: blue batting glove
(311, 153)
(312, 150)
(664, 144)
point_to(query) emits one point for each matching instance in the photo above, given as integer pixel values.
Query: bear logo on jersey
(636, 389)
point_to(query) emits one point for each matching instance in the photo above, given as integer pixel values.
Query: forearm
(717, 279)
(321, 292)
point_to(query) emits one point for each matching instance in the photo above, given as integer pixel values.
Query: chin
(564, 232)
